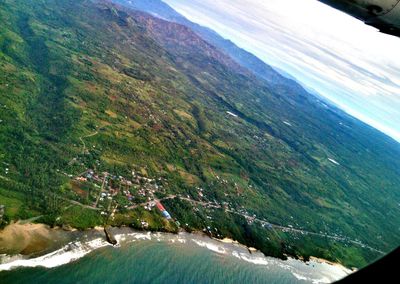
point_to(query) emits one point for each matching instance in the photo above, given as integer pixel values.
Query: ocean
(161, 258)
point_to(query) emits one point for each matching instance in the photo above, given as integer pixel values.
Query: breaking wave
(68, 253)
(78, 249)
(211, 246)
(297, 268)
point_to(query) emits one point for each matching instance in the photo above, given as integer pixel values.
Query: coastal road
(280, 227)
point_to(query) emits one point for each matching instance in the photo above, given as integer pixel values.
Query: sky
(348, 62)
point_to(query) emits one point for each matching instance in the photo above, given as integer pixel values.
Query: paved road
(261, 221)
(283, 228)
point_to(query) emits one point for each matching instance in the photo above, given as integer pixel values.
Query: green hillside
(104, 109)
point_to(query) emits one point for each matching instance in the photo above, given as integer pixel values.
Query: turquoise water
(174, 259)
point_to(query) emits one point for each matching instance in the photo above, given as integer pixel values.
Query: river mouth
(87, 244)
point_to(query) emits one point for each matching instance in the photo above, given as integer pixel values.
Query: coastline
(312, 258)
(339, 265)
(29, 239)
(41, 242)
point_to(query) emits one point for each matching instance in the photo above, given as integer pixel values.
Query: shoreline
(66, 238)
(337, 264)
(29, 238)
(312, 258)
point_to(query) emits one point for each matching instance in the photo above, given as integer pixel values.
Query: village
(109, 193)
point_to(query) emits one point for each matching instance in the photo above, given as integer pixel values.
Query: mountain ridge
(276, 78)
(180, 123)
(246, 59)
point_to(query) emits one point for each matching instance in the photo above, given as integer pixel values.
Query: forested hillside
(104, 109)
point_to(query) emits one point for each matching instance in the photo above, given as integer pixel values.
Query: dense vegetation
(86, 84)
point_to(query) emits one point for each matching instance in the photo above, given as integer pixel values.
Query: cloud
(348, 62)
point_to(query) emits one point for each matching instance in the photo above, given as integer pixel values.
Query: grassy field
(15, 204)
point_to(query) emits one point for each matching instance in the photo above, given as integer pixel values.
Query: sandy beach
(338, 265)
(312, 258)
(37, 245)
(39, 241)
(228, 241)
(29, 239)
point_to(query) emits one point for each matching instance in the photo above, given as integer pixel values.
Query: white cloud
(348, 62)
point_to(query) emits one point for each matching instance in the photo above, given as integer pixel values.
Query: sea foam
(211, 246)
(68, 253)
(76, 250)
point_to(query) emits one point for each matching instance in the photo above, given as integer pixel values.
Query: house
(81, 179)
(166, 215)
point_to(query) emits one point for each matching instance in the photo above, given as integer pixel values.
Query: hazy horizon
(346, 61)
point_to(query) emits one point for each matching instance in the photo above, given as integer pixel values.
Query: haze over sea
(163, 258)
